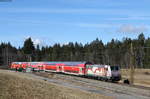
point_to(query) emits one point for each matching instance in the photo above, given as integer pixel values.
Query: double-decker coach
(15, 65)
(76, 68)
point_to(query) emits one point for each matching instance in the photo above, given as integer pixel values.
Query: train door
(80, 70)
(59, 68)
(62, 68)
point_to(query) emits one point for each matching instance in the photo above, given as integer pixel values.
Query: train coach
(87, 69)
(37, 66)
(75, 68)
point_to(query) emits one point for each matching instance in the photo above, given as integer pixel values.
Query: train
(85, 69)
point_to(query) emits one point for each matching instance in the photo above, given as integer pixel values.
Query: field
(21, 86)
(141, 77)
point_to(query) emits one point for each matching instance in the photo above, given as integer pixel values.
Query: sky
(61, 21)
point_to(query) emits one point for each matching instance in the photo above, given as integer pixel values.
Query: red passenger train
(105, 72)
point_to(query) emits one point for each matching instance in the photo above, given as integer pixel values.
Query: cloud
(92, 25)
(131, 18)
(66, 10)
(41, 41)
(37, 42)
(96, 25)
(132, 29)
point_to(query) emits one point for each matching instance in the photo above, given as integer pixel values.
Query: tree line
(114, 52)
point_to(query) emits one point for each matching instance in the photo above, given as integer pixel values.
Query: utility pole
(131, 65)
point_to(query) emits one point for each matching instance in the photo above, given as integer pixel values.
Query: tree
(29, 49)
(78, 52)
(147, 54)
(140, 50)
(56, 52)
(38, 53)
(94, 52)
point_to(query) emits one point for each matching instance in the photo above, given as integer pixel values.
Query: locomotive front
(115, 73)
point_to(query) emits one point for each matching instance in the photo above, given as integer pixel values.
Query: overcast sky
(63, 21)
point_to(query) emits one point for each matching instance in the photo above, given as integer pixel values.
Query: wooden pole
(131, 66)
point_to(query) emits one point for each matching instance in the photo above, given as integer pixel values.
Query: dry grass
(21, 86)
(142, 76)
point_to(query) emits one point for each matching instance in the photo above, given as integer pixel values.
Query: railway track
(117, 83)
(96, 85)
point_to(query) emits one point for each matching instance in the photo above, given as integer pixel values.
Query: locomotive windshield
(114, 68)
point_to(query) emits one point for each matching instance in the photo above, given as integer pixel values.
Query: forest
(114, 52)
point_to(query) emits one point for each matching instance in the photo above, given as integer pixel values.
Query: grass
(21, 86)
(141, 77)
